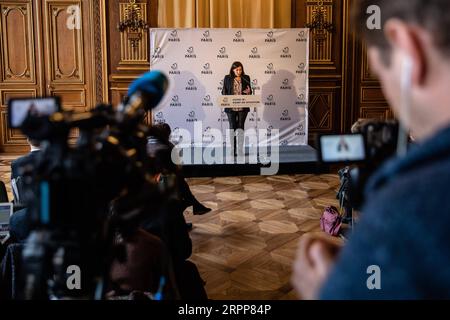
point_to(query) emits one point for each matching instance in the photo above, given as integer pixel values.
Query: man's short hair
(34, 143)
(433, 15)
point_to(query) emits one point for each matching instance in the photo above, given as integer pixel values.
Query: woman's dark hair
(161, 131)
(235, 65)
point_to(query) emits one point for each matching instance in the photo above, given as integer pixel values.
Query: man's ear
(405, 39)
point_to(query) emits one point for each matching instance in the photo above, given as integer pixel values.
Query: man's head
(414, 36)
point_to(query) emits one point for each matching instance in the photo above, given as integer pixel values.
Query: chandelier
(133, 24)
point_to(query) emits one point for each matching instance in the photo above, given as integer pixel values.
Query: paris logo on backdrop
(270, 101)
(191, 85)
(222, 53)
(207, 69)
(270, 37)
(270, 69)
(157, 53)
(206, 37)
(175, 136)
(174, 69)
(159, 117)
(208, 136)
(253, 117)
(220, 87)
(207, 101)
(300, 130)
(223, 117)
(191, 117)
(268, 132)
(285, 54)
(174, 36)
(254, 54)
(285, 115)
(175, 101)
(302, 36)
(285, 85)
(238, 37)
(255, 85)
(301, 68)
(301, 100)
(190, 53)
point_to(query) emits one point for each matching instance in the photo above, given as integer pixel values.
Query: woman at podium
(237, 83)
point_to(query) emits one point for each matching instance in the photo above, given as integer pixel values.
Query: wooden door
(46, 49)
(20, 71)
(68, 52)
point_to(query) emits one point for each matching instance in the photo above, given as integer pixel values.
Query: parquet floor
(245, 247)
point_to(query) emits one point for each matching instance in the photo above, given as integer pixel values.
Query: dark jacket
(22, 161)
(16, 166)
(404, 230)
(227, 89)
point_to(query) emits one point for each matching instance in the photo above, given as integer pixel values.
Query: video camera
(72, 190)
(371, 143)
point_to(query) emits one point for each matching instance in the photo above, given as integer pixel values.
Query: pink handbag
(331, 221)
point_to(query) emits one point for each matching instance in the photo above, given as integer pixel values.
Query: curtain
(224, 13)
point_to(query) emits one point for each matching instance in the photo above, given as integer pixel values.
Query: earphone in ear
(405, 107)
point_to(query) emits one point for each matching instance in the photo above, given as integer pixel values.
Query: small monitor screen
(20, 108)
(5, 213)
(342, 148)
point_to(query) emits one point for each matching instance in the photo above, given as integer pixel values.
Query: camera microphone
(147, 91)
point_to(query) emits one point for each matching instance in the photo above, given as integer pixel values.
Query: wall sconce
(133, 24)
(319, 26)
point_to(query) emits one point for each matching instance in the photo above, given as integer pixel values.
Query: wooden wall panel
(68, 53)
(342, 88)
(127, 63)
(64, 49)
(41, 55)
(12, 138)
(325, 80)
(17, 53)
(20, 65)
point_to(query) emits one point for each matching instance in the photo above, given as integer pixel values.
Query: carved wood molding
(134, 58)
(26, 72)
(321, 110)
(99, 54)
(76, 74)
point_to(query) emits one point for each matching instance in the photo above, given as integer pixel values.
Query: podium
(240, 101)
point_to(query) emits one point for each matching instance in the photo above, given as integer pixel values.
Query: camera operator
(85, 196)
(403, 229)
(162, 132)
(18, 165)
(20, 220)
(170, 225)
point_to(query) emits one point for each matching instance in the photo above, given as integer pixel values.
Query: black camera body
(79, 196)
(371, 143)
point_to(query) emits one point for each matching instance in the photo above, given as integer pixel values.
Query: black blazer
(29, 158)
(227, 89)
